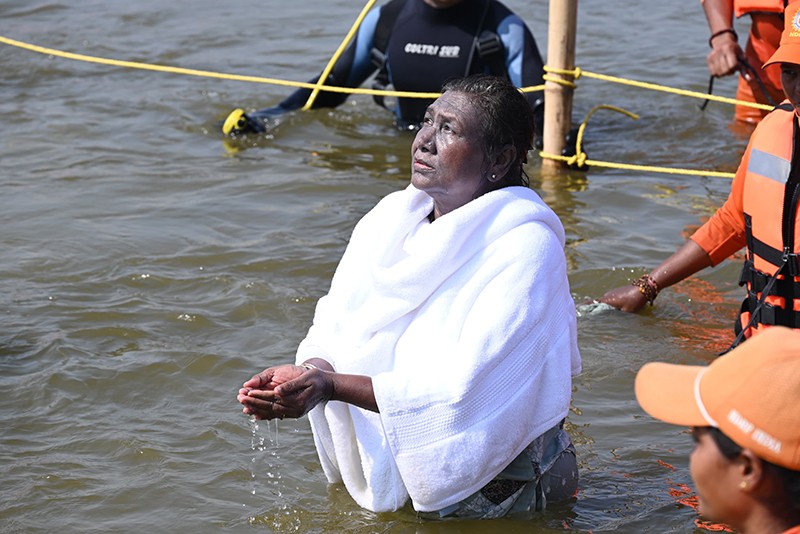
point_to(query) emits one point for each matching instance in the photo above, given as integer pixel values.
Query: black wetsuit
(428, 46)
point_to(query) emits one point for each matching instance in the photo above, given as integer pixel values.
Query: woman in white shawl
(438, 368)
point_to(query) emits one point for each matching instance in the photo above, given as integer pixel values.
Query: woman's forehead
(454, 103)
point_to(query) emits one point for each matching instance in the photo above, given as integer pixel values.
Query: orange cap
(789, 49)
(752, 394)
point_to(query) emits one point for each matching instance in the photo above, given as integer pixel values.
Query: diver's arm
(352, 68)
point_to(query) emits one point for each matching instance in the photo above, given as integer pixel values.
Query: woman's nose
(424, 140)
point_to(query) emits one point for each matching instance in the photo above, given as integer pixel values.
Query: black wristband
(723, 32)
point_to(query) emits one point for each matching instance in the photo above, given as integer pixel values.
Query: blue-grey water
(147, 268)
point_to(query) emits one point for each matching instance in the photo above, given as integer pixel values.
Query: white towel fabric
(466, 326)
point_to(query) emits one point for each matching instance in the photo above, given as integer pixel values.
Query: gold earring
(743, 484)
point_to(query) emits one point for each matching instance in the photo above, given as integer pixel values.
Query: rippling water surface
(148, 267)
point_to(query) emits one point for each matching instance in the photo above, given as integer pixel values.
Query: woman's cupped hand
(284, 391)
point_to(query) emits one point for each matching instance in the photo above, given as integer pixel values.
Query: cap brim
(666, 391)
(786, 53)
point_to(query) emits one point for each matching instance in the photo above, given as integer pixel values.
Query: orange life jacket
(743, 7)
(770, 200)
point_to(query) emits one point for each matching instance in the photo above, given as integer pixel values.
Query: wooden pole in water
(563, 20)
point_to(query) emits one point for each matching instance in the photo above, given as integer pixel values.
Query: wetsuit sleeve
(524, 63)
(724, 233)
(351, 70)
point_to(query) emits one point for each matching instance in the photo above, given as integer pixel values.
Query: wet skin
(448, 156)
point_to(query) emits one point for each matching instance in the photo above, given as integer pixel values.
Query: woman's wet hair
(507, 117)
(730, 450)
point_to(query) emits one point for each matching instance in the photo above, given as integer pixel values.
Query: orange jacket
(753, 216)
(743, 7)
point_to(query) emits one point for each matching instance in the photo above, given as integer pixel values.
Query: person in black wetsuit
(417, 45)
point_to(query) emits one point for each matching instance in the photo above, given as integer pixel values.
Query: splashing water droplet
(259, 444)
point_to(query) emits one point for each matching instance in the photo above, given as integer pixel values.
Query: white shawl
(466, 326)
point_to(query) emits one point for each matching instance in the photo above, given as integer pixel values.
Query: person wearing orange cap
(727, 56)
(743, 412)
(761, 214)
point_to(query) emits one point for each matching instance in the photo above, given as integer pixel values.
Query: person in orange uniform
(724, 58)
(746, 426)
(761, 214)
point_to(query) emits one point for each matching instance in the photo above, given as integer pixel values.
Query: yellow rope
(582, 160)
(205, 73)
(577, 73)
(579, 141)
(532, 88)
(579, 159)
(560, 81)
(329, 67)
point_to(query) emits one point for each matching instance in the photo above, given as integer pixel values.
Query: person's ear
(502, 161)
(751, 471)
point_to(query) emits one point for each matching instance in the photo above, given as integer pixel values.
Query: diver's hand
(240, 123)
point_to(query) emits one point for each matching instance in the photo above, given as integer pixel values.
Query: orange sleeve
(724, 233)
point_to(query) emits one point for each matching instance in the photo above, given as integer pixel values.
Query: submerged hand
(240, 123)
(625, 298)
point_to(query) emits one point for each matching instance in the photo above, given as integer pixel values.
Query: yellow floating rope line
(572, 160)
(219, 75)
(206, 73)
(577, 73)
(580, 158)
(532, 88)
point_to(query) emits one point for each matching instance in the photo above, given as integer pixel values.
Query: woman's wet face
(448, 158)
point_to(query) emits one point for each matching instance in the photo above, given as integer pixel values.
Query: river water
(148, 268)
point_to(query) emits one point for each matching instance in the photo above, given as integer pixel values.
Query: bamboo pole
(562, 23)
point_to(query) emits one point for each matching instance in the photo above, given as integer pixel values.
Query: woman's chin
(420, 181)
(703, 510)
